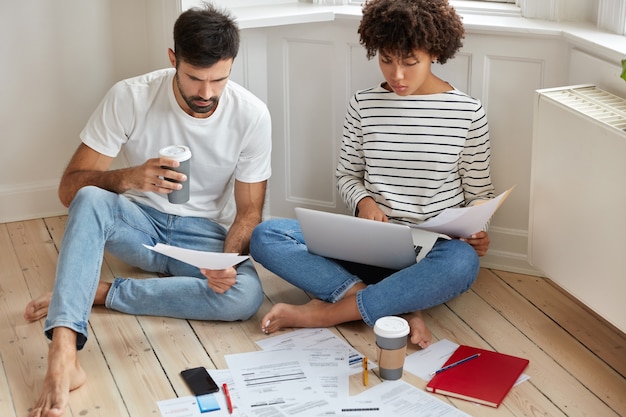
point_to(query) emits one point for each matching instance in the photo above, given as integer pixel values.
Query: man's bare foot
(315, 313)
(37, 308)
(420, 333)
(64, 374)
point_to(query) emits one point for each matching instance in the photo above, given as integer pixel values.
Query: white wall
(59, 58)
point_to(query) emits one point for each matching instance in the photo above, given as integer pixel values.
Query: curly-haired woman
(412, 147)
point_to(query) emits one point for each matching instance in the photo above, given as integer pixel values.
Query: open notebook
(368, 242)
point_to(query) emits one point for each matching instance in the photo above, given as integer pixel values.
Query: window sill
(491, 19)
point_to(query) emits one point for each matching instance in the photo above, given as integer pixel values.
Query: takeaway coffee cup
(181, 154)
(391, 339)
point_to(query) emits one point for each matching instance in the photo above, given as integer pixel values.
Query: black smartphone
(199, 381)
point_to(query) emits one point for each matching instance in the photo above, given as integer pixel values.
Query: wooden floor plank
(593, 332)
(22, 349)
(223, 338)
(36, 251)
(445, 323)
(37, 254)
(132, 362)
(56, 226)
(548, 375)
(6, 402)
(571, 354)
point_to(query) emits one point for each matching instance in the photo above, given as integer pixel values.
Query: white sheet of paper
(327, 373)
(201, 259)
(180, 407)
(400, 398)
(464, 221)
(425, 361)
(352, 407)
(271, 377)
(330, 372)
(315, 338)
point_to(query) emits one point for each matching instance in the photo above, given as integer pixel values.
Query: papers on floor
(305, 373)
(201, 259)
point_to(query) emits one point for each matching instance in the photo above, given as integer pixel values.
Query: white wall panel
(510, 118)
(310, 148)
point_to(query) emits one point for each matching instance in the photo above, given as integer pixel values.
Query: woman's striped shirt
(415, 155)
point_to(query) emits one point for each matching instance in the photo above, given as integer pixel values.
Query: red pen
(229, 401)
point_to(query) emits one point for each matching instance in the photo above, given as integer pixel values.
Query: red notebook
(485, 379)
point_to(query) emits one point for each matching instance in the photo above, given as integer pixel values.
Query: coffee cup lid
(177, 152)
(391, 326)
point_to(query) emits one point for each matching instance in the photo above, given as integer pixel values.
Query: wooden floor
(577, 362)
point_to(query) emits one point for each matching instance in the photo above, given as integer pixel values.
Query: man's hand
(221, 280)
(368, 209)
(89, 167)
(152, 176)
(479, 241)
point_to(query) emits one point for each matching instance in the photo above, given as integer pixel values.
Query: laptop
(369, 242)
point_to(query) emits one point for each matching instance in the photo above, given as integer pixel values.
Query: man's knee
(90, 197)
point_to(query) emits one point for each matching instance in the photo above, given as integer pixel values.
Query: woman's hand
(479, 241)
(368, 209)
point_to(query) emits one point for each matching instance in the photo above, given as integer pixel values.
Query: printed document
(320, 338)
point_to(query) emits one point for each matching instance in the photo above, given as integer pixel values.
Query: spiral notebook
(486, 379)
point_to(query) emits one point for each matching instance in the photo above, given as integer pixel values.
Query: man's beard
(201, 109)
(213, 101)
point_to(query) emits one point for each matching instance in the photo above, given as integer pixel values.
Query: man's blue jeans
(99, 220)
(448, 270)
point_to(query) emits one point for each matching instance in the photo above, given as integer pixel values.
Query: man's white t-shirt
(140, 115)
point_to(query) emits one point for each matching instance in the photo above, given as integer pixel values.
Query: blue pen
(455, 364)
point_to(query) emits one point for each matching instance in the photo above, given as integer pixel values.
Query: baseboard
(30, 201)
(508, 251)
(510, 262)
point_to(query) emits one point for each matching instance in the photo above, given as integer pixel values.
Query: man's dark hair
(398, 27)
(204, 36)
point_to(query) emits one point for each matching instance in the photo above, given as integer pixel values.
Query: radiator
(577, 219)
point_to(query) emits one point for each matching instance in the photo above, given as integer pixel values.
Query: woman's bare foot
(64, 374)
(37, 308)
(315, 313)
(419, 332)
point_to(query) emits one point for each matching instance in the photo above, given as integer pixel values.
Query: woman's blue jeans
(100, 221)
(448, 270)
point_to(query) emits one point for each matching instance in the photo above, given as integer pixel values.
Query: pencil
(365, 371)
